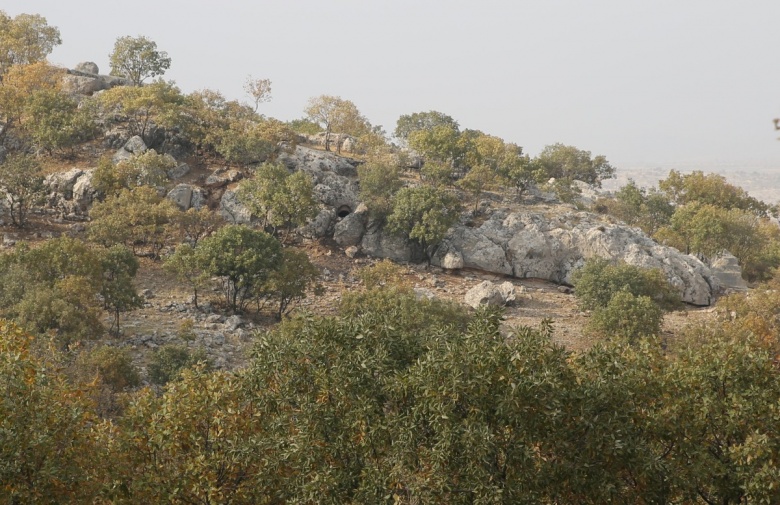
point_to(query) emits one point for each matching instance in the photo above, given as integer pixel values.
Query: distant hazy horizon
(648, 84)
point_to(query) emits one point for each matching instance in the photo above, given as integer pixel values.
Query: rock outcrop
(85, 79)
(728, 272)
(186, 196)
(70, 193)
(533, 245)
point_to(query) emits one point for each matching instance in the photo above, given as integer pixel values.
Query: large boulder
(350, 229)
(380, 243)
(334, 177)
(728, 272)
(81, 84)
(487, 293)
(232, 210)
(186, 196)
(133, 147)
(321, 161)
(87, 67)
(536, 245)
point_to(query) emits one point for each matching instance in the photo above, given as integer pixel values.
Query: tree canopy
(25, 39)
(137, 59)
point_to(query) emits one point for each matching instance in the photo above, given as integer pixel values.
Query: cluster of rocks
(71, 193)
(86, 79)
(347, 142)
(537, 245)
(224, 339)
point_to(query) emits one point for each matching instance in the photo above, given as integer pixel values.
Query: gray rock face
(186, 196)
(179, 171)
(134, 146)
(85, 80)
(487, 293)
(71, 192)
(81, 85)
(232, 210)
(382, 244)
(320, 226)
(728, 272)
(532, 245)
(88, 67)
(349, 231)
(222, 177)
(313, 160)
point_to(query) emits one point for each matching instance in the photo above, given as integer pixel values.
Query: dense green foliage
(397, 402)
(244, 259)
(393, 399)
(280, 199)
(423, 214)
(60, 287)
(567, 162)
(25, 39)
(628, 317)
(168, 362)
(137, 59)
(599, 280)
(21, 183)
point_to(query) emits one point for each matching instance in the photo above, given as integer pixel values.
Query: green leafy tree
(304, 126)
(196, 224)
(336, 115)
(279, 198)
(159, 104)
(288, 284)
(138, 218)
(145, 169)
(137, 59)
(106, 372)
(478, 180)
(244, 259)
(55, 121)
(209, 115)
(599, 280)
(243, 145)
(380, 180)
(628, 317)
(423, 214)
(201, 441)
(567, 162)
(47, 442)
(409, 123)
(25, 39)
(650, 210)
(709, 189)
(189, 266)
(708, 230)
(21, 183)
(19, 85)
(440, 143)
(119, 267)
(169, 361)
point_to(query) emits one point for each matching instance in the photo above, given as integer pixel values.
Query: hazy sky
(688, 83)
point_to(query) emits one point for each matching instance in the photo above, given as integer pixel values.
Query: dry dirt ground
(537, 299)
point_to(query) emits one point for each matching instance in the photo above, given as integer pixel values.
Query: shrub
(170, 360)
(627, 316)
(599, 280)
